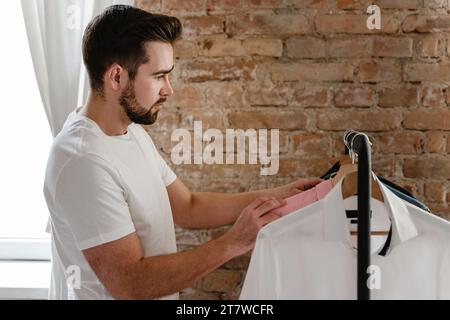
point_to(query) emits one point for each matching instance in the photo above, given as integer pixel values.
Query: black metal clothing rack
(359, 143)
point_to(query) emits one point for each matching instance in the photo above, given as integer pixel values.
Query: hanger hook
(349, 144)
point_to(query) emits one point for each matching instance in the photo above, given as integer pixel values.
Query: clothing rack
(359, 145)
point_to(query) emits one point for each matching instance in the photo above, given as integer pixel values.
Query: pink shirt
(305, 198)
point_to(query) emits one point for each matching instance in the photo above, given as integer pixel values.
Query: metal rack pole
(361, 145)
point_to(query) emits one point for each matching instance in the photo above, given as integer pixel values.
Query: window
(25, 140)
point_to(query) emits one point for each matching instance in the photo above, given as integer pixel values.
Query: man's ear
(116, 77)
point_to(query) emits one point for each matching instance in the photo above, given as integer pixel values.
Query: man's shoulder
(78, 138)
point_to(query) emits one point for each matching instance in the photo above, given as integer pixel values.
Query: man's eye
(160, 77)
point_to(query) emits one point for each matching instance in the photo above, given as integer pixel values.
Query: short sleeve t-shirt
(98, 189)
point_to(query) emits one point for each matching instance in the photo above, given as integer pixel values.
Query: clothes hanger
(349, 172)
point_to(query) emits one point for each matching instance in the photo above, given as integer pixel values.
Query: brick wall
(310, 68)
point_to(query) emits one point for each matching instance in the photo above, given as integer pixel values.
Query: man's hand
(293, 188)
(242, 235)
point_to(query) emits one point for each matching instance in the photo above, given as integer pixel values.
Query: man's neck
(109, 116)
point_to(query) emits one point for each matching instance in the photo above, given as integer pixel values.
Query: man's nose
(167, 89)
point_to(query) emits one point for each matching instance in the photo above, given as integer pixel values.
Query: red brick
(448, 46)
(203, 25)
(187, 238)
(148, 5)
(427, 72)
(427, 120)
(436, 142)
(383, 4)
(264, 3)
(358, 120)
(426, 167)
(221, 280)
(225, 95)
(420, 23)
(429, 46)
(433, 96)
(186, 97)
(191, 5)
(267, 96)
(198, 295)
(400, 143)
(392, 47)
(311, 97)
(220, 46)
(185, 49)
(277, 24)
(234, 69)
(312, 72)
(348, 48)
(353, 4)
(338, 146)
(264, 47)
(434, 4)
(311, 144)
(222, 5)
(355, 24)
(238, 263)
(398, 4)
(305, 48)
(384, 167)
(379, 72)
(411, 185)
(311, 167)
(398, 96)
(287, 120)
(210, 119)
(322, 5)
(354, 96)
(439, 209)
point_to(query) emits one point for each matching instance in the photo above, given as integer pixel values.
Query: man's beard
(134, 110)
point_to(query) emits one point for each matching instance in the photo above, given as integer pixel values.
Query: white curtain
(55, 31)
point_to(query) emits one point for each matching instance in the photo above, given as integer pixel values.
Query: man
(112, 198)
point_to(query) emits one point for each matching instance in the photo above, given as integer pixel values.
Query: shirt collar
(336, 227)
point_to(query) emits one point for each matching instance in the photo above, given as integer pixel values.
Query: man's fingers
(257, 202)
(269, 205)
(269, 217)
(308, 184)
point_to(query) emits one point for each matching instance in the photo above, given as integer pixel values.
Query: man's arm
(195, 210)
(122, 268)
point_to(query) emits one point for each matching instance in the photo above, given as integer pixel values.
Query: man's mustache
(160, 101)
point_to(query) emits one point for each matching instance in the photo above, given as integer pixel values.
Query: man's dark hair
(118, 35)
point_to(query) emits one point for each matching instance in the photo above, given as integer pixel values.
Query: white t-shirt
(100, 188)
(308, 254)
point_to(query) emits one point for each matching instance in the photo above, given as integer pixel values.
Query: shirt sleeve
(167, 174)
(89, 197)
(260, 281)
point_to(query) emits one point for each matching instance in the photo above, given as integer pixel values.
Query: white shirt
(100, 188)
(308, 254)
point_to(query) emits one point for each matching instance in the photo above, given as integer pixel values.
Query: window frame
(36, 249)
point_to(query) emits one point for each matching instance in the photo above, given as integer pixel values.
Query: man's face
(143, 97)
